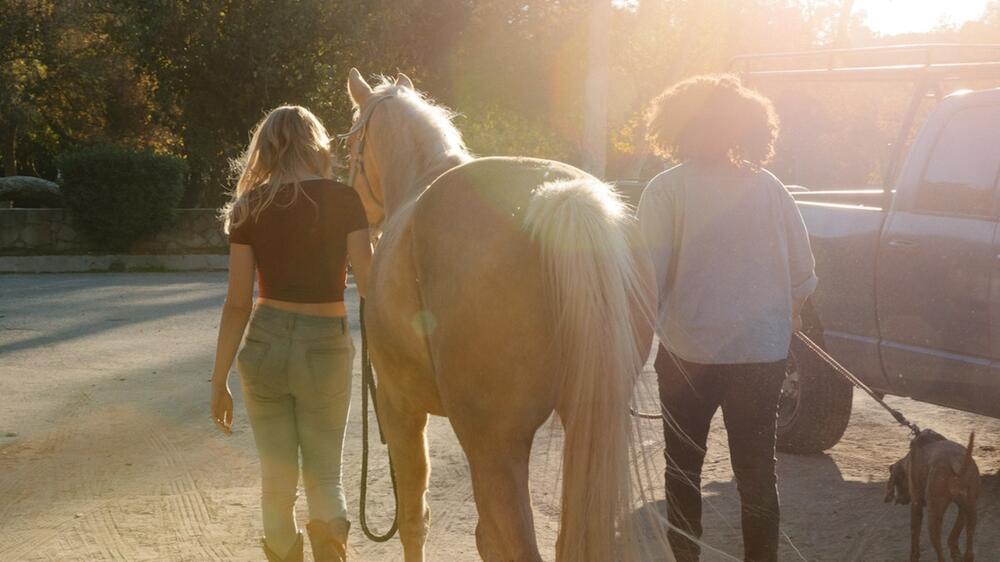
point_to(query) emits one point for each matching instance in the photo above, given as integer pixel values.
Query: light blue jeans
(296, 376)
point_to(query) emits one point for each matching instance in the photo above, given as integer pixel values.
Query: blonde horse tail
(597, 293)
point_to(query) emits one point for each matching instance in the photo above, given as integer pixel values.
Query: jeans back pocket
(250, 363)
(330, 369)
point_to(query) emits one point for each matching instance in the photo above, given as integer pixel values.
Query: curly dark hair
(712, 118)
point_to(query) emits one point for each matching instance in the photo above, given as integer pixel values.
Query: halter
(357, 161)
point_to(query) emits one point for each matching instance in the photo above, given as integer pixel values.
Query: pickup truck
(909, 292)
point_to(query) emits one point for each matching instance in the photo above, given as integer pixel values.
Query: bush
(30, 193)
(117, 196)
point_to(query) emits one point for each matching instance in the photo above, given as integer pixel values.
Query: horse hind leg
(499, 467)
(405, 433)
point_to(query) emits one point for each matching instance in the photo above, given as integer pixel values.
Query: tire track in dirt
(94, 532)
(36, 539)
(18, 487)
(99, 529)
(217, 551)
(95, 527)
(185, 508)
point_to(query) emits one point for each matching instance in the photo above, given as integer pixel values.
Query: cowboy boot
(294, 555)
(329, 540)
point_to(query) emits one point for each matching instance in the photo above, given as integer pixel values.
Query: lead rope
(841, 370)
(644, 415)
(368, 391)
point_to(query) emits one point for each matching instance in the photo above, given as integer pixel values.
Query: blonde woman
(734, 267)
(296, 227)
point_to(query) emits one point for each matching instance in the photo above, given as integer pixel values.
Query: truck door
(936, 258)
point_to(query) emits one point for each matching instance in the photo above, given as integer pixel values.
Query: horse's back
(482, 282)
(505, 183)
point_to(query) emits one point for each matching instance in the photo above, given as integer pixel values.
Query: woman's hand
(222, 407)
(797, 306)
(235, 315)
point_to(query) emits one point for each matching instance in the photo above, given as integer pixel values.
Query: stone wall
(34, 232)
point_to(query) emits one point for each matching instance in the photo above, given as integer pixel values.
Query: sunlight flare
(894, 17)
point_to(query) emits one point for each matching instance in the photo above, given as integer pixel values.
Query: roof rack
(926, 66)
(934, 62)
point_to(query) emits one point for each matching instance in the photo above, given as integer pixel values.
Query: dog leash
(836, 366)
(842, 371)
(368, 391)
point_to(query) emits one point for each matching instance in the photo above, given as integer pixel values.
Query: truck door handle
(903, 244)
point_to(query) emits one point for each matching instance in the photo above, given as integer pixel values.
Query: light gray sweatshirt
(731, 253)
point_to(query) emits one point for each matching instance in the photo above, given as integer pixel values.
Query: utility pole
(595, 117)
(842, 37)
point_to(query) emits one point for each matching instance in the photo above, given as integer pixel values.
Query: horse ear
(404, 81)
(357, 88)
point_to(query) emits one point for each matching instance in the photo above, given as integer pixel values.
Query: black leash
(842, 371)
(836, 366)
(368, 391)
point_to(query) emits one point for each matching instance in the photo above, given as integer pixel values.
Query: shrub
(119, 196)
(30, 193)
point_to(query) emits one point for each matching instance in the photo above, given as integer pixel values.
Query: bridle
(357, 160)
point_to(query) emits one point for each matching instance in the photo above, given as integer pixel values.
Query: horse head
(398, 143)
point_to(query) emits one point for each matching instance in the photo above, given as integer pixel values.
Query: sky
(892, 17)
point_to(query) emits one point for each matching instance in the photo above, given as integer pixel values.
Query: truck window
(962, 170)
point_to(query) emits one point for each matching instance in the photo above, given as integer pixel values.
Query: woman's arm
(359, 250)
(801, 264)
(656, 225)
(235, 315)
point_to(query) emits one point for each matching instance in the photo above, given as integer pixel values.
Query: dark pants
(748, 394)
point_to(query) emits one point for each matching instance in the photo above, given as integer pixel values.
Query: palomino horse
(502, 289)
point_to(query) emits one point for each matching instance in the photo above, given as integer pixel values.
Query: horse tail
(598, 291)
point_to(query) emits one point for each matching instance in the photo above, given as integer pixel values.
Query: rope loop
(368, 392)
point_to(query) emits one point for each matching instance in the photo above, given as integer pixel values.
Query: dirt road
(107, 451)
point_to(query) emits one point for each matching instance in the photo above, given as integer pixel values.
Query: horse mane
(416, 138)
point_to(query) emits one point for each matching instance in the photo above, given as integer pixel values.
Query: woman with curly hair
(734, 267)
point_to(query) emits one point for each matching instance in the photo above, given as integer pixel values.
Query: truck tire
(815, 404)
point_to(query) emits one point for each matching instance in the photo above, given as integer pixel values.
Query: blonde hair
(288, 144)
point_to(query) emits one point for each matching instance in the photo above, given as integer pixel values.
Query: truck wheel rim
(788, 403)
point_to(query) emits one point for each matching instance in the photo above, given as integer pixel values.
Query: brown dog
(935, 473)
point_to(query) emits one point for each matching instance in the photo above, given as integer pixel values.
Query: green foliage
(65, 80)
(193, 77)
(497, 131)
(119, 196)
(30, 193)
(219, 65)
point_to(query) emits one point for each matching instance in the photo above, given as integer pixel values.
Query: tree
(23, 29)
(596, 86)
(218, 65)
(64, 82)
(193, 77)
